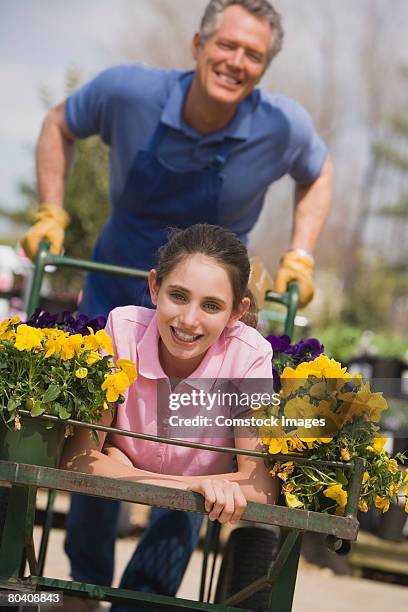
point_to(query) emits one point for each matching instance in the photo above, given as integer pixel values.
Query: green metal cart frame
(17, 548)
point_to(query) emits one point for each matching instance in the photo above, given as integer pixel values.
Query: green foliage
(388, 346)
(343, 342)
(369, 302)
(87, 202)
(394, 210)
(389, 155)
(340, 340)
(86, 197)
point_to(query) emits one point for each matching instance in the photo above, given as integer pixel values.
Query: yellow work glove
(296, 265)
(50, 223)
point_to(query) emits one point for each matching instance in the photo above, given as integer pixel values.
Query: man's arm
(55, 150)
(312, 206)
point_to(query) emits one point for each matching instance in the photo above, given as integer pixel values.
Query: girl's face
(194, 305)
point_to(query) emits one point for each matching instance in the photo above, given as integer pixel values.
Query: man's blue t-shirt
(272, 136)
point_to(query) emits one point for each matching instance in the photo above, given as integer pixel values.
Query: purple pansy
(280, 344)
(306, 350)
(66, 321)
(286, 354)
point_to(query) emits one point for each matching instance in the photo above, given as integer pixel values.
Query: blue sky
(38, 42)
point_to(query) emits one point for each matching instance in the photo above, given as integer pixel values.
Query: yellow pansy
(295, 444)
(283, 445)
(392, 466)
(54, 339)
(99, 341)
(345, 454)
(326, 409)
(379, 442)
(393, 489)
(6, 328)
(340, 510)
(115, 385)
(299, 408)
(4, 325)
(81, 372)
(288, 487)
(285, 470)
(291, 381)
(128, 367)
(93, 357)
(278, 446)
(269, 432)
(364, 402)
(9, 335)
(323, 367)
(337, 493)
(275, 469)
(310, 441)
(406, 475)
(382, 503)
(362, 505)
(28, 338)
(366, 477)
(292, 501)
(319, 390)
(71, 346)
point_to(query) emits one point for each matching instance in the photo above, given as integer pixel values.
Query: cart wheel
(248, 555)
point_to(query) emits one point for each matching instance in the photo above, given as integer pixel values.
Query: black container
(392, 523)
(388, 367)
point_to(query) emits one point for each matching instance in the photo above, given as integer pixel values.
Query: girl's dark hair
(220, 244)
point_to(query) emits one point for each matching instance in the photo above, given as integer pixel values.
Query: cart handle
(44, 258)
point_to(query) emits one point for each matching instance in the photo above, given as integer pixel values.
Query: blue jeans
(158, 563)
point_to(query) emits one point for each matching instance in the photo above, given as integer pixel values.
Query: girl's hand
(117, 455)
(224, 500)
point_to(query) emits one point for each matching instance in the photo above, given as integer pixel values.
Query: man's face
(232, 61)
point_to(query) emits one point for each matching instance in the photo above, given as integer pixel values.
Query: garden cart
(274, 583)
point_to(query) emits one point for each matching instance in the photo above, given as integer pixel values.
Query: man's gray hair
(261, 9)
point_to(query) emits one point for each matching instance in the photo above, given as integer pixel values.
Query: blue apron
(155, 198)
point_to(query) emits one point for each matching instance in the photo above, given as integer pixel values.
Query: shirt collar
(238, 128)
(204, 376)
(148, 352)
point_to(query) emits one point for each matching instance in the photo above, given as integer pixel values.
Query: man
(185, 148)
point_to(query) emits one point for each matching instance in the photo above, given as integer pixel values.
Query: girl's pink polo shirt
(239, 353)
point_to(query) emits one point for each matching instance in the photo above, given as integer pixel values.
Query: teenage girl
(202, 328)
